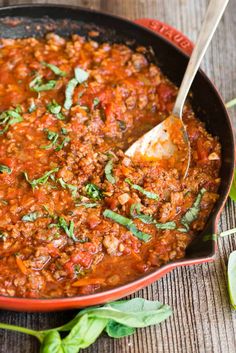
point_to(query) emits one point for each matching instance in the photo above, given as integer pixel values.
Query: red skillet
(170, 48)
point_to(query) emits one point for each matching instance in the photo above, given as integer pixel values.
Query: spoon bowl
(168, 142)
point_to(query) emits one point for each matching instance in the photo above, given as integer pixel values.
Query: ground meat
(63, 168)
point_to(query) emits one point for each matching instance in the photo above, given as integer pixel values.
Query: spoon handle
(213, 15)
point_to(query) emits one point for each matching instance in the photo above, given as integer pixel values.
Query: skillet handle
(168, 32)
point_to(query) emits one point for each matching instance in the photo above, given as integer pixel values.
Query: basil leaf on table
(232, 192)
(116, 330)
(118, 319)
(52, 343)
(232, 278)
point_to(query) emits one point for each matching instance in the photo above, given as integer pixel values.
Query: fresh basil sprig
(117, 319)
(148, 194)
(127, 223)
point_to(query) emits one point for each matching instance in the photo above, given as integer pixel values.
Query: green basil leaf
(52, 136)
(70, 187)
(116, 330)
(108, 172)
(87, 204)
(93, 191)
(168, 225)
(128, 223)
(64, 143)
(192, 214)
(68, 228)
(232, 193)
(30, 217)
(37, 84)
(52, 343)
(84, 333)
(148, 194)
(10, 117)
(54, 107)
(69, 93)
(81, 75)
(232, 279)
(135, 213)
(5, 169)
(148, 219)
(55, 69)
(42, 180)
(137, 312)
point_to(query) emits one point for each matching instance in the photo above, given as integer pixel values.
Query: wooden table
(202, 321)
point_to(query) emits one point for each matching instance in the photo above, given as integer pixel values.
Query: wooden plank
(202, 320)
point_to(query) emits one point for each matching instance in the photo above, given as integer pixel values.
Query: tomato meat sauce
(77, 215)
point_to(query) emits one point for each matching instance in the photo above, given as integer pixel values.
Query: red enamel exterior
(24, 304)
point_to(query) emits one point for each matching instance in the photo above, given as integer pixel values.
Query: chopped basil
(64, 131)
(192, 213)
(127, 223)
(80, 77)
(86, 204)
(68, 229)
(30, 217)
(69, 93)
(167, 225)
(93, 191)
(70, 187)
(64, 143)
(54, 107)
(42, 180)
(96, 101)
(5, 169)
(150, 195)
(55, 69)
(135, 213)
(10, 117)
(52, 136)
(148, 219)
(32, 107)
(37, 84)
(108, 172)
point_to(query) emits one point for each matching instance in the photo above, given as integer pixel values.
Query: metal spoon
(168, 141)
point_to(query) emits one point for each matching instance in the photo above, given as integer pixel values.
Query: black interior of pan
(24, 21)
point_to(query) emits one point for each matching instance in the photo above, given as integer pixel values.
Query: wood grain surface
(202, 321)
